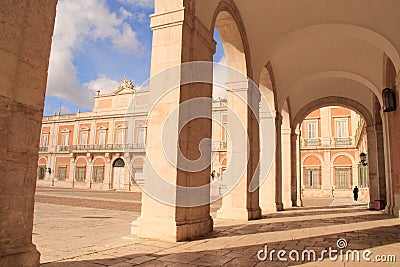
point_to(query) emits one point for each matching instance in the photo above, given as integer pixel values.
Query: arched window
(119, 163)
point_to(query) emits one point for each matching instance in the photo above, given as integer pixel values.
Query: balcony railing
(43, 149)
(63, 148)
(312, 142)
(343, 141)
(219, 146)
(108, 147)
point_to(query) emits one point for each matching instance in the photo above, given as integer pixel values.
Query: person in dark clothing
(213, 175)
(355, 193)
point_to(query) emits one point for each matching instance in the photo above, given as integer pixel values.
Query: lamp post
(363, 158)
(389, 100)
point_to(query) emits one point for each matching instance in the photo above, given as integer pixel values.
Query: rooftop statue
(126, 84)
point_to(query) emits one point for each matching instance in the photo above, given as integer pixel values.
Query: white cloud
(140, 3)
(79, 21)
(103, 84)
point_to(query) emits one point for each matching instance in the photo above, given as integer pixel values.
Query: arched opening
(42, 169)
(240, 119)
(118, 178)
(98, 171)
(332, 138)
(80, 172)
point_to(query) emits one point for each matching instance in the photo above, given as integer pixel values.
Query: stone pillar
(286, 166)
(267, 156)
(387, 159)
(294, 168)
(373, 166)
(89, 170)
(327, 175)
(167, 213)
(72, 170)
(278, 163)
(108, 171)
(298, 169)
(381, 161)
(242, 202)
(26, 28)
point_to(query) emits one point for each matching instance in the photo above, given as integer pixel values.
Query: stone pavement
(76, 236)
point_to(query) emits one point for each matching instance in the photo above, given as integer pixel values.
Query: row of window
(341, 129)
(343, 177)
(101, 139)
(80, 173)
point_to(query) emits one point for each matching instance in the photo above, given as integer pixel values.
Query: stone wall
(27, 28)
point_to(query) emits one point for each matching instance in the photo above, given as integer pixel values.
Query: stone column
(167, 213)
(243, 150)
(286, 166)
(278, 163)
(298, 169)
(381, 161)
(294, 168)
(108, 171)
(373, 166)
(72, 167)
(26, 28)
(89, 170)
(327, 175)
(387, 159)
(267, 156)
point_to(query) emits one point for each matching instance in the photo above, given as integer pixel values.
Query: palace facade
(105, 149)
(332, 139)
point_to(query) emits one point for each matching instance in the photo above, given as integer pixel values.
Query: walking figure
(355, 193)
(213, 175)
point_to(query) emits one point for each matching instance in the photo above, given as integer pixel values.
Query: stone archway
(240, 202)
(376, 174)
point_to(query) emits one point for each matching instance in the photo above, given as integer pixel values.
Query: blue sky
(95, 44)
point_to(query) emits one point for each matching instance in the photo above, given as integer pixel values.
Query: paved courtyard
(82, 228)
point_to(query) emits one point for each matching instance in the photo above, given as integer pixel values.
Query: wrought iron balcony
(312, 142)
(343, 141)
(107, 147)
(219, 146)
(43, 149)
(63, 148)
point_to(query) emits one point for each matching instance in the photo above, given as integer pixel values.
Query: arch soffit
(345, 154)
(346, 30)
(333, 74)
(81, 158)
(312, 155)
(137, 159)
(98, 158)
(41, 159)
(332, 101)
(230, 7)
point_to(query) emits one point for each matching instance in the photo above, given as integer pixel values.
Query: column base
(395, 211)
(30, 257)
(239, 214)
(169, 230)
(279, 207)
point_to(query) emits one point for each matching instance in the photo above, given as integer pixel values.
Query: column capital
(167, 19)
(180, 17)
(295, 133)
(238, 86)
(267, 115)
